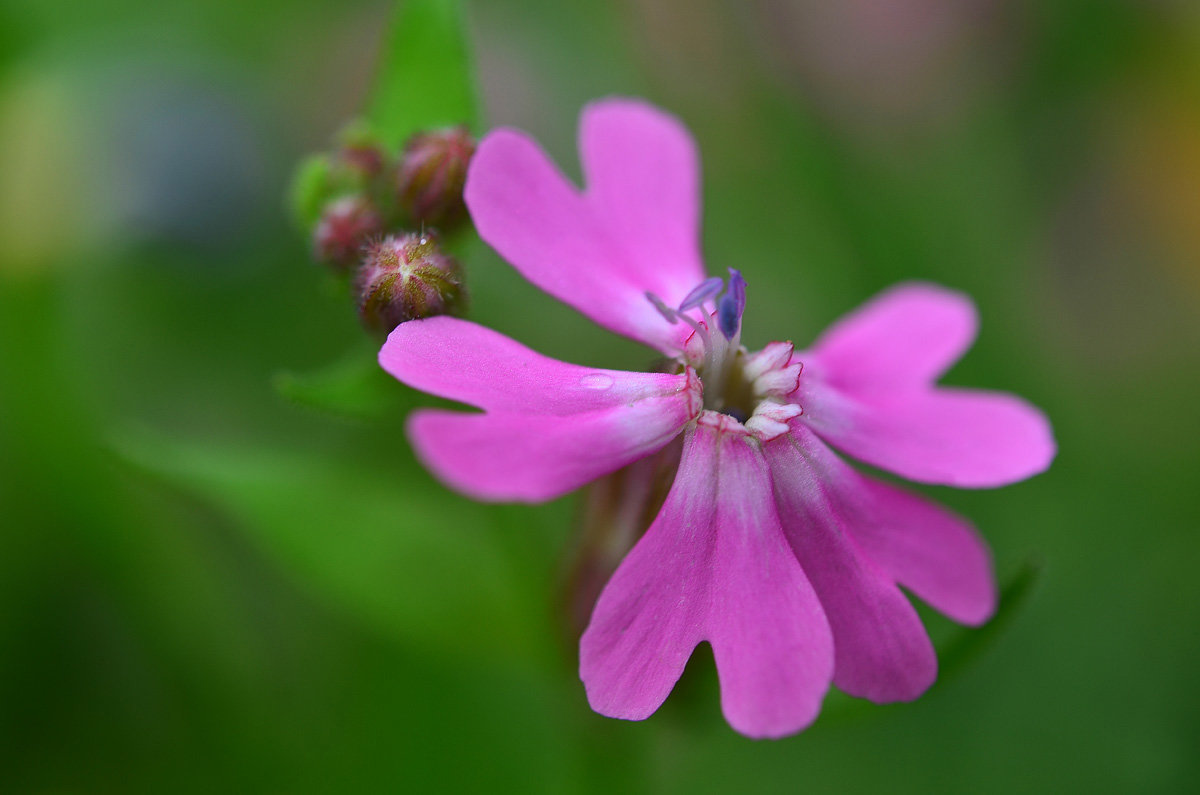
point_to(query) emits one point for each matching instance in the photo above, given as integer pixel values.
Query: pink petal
(643, 181)
(956, 437)
(713, 566)
(927, 549)
(909, 334)
(550, 426)
(867, 388)
(922, 546)
(881, 649)
(634, 230)
(463, 361)
(501, 456)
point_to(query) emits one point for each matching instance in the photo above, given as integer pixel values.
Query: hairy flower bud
(407, 277)
(344, 228)
(431, 175)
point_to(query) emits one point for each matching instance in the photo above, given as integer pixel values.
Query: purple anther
(737, 288)
(662, 308)
(732, 305)
(705, 291)
(728, 319)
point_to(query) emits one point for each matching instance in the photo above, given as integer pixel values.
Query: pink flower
(769, 547)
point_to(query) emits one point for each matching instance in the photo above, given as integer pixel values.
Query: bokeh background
(221, 568)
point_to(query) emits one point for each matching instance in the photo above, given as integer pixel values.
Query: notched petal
(713, 566)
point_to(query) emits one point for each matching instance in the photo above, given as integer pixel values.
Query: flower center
(751, 388)
(732, 394)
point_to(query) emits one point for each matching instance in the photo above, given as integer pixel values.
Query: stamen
(664, 310)
(704, 291)
(737, 286)
(732, 305)
(718, 352)
(674, 317)
(702, 332)
(727, 317)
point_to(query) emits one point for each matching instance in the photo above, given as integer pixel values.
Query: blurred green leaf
(355, 387)
(309, 191)
(957, 654)
(413, 563)
(424, 78)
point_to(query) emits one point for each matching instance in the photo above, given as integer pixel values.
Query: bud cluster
(362, 202)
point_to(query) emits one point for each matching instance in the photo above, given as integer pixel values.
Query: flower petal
(502, 456)
(643, 181)
(550, 426)
(956, 437)
(882, 651)
(634, 230)
(909, 334)
(924, 547)
(463, 361)
(713, 566)
(927, 549)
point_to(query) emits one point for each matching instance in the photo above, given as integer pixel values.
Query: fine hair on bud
(405, 277)
(345, 226)
(430, 177)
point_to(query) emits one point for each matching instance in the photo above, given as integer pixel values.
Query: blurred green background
(221, 568)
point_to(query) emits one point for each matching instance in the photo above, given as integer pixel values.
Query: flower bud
(431, 175)
(344, 228)
(404, 278)
(360, 154)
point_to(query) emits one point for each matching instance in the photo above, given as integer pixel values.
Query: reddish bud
(404, 278)
(345, 226)
(431, 175)
(360, 154)
(366, 160)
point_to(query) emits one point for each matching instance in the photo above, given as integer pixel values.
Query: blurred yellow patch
(1159, 154)
(44, 190)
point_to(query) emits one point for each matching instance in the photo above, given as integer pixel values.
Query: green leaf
(355, 387)
(309, 191)
(413, 561)
(424, 79)
(957, 654)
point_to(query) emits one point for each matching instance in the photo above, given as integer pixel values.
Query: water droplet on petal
(597, 381)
